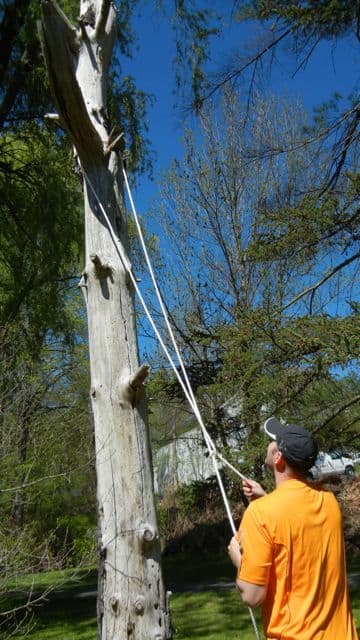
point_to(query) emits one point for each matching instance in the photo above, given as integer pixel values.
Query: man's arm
(252, 594)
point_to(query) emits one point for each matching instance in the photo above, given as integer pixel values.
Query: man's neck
(284, 476)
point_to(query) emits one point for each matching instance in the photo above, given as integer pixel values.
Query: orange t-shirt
(292, 541)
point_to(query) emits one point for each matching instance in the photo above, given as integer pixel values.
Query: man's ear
(279, 461)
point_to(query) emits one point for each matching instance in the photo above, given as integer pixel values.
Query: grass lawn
(200, 616)
(210, 615)
(196, 615)
(204, 615)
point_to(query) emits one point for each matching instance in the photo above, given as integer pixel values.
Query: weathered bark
(132, 601)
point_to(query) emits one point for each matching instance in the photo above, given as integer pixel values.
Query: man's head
(296, 445)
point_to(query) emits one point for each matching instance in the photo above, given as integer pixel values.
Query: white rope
(210, 444)
(228, 464)
(128, 268)
(189, 396)
(171, 333)
(186, 386)
(214, 452)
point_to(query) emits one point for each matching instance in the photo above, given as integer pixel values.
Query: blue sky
(332, 67)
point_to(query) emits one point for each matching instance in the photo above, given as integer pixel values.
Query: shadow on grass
(355, 605)
(183, 571)
(211, 616)
(203, 614)
(65, 618)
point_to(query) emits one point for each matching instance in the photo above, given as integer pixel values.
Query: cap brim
(273, 428)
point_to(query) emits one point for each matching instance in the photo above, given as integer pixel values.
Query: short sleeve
(256, 546)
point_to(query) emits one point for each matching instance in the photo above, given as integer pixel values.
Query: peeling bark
(132, 602)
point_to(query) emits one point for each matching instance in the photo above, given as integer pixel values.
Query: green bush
(77, 534)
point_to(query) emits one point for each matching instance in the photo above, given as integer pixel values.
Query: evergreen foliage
(44, 430)
(264, 281)
(314, 18)
(300, 26)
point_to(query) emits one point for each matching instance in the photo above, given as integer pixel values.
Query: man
(289, 551)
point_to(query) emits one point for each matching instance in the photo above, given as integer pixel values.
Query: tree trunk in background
(132, 601)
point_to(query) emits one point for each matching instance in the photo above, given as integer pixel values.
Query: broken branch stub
(61, 45)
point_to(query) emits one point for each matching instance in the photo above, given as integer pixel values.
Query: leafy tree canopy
(40, 230)
(318, 18)
(264, 275)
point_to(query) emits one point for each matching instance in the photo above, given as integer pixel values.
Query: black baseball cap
(297, 445)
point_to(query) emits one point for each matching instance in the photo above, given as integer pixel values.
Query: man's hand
(252, 489)
(234, 552)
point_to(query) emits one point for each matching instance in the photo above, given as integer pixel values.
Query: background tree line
(262, 219)
(262, 287)
(45, 435)
(48, 485)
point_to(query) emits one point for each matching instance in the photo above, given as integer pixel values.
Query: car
(332, 462)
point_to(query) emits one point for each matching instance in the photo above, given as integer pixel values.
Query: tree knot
(102, 266)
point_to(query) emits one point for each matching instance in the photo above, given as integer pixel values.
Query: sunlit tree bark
(132, 601)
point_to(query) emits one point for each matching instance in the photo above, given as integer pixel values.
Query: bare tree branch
(29, 603)
(338, 162)
(320, 282)
(237, 72)
(336, 413)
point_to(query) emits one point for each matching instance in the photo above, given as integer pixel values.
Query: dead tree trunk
(131, 602)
